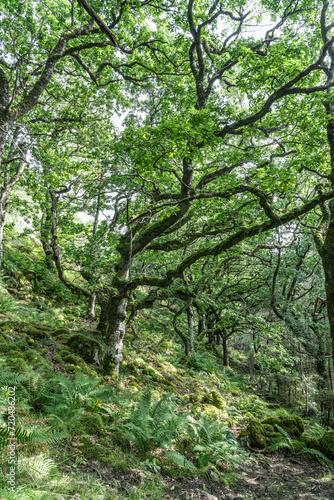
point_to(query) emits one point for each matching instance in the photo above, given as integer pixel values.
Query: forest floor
(278, 476)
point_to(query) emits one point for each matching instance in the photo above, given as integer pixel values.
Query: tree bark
(190, 319)
(251, 366)
(2, 223)
(45, 234)
(113, 332)
(91, 306)
(327, 257)
(225, 350)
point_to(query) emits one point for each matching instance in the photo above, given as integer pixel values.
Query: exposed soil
(280, 476)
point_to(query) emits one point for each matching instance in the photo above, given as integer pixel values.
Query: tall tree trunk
(92, 298)
(252, 365)
(114, 332)
(225, 350)
(327, 256)
(112, 323)
(190, 319)
(91, 306)
(2, 223)
(45, 233)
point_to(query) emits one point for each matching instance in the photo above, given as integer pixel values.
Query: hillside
(167, 427)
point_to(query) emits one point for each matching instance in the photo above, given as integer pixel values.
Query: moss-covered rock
(73, 359)
(256, 434)
(15, 353)
(89, 423)
(90, 450)
(152, 372)
(88, 348)
(60, 331)
(292, 424)
(72, 368)
(64, 352)
(311, 442)
(131, 368)
(212, 412)
(32, 331)
(64, 337)
(214, 398)
(33, 357)
(57, 358)
(326, 443)
(18, 364)
(4, 348)
(195, 398)
(168, 385)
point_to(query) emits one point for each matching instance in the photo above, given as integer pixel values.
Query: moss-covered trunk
(327, 257)
(112, 323)
(225, 350)
(113, 333)
(2, 223)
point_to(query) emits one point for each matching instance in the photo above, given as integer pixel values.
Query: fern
(63, 397)
(214, 443)
(37, 466)
(312, 453)
(152, 424)
(180, 460)
(12, 379)
(28, 436)
(284, 441)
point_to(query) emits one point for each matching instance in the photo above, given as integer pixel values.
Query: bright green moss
(292, 424)
(195, 398)
(326, 443)
(255, 433)
(212, 412)
(89, 423)
(61, 331)
(215, 399)
(18, 364)
(73, 359)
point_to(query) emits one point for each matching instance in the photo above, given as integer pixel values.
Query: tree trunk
(251, 366)
(2, 223)
(45, 234)
(190, 319)
(327, 256)
(91, 307)
(225, 350)
(114, 326)
(112, 323)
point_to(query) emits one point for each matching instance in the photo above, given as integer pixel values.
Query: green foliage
(202, 362)
(180, 460)
(64, 398)
(213, 443)
(23, 435)
(152, 424)
(215, 398)
(283, 441)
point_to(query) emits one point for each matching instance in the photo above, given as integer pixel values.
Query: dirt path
(281, 476)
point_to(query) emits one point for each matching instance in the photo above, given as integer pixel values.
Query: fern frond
(279, 443)
(180, 460)
(312, 453)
